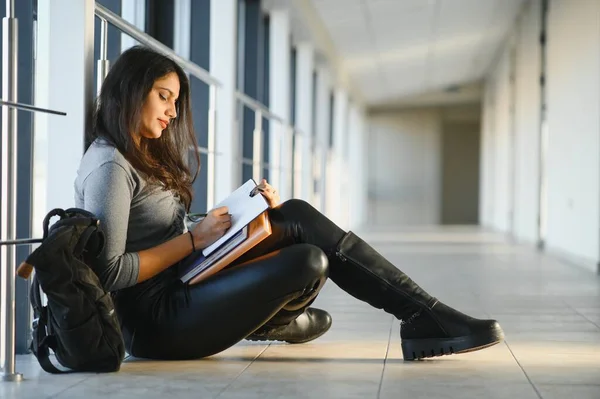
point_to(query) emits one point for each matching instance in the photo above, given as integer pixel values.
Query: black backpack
(79, 322)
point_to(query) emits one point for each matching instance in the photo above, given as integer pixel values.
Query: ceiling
(396, 52)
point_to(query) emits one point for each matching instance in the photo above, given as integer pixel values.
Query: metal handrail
(147, 40)
(31, 108)
(106, 16)
(258, 106)
(8, 211)
(8, 276)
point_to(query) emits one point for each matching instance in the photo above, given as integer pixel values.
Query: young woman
(135, 177)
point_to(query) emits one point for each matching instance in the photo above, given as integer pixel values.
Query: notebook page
(243, 210)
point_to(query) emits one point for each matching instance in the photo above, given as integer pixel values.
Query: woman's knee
(309, 261)
(312, 267)
(306, 224)
(297, 206)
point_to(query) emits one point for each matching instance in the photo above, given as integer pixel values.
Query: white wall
(574, 127)
(527, 124)
(572, 161)
(460, 171)
(338, 176)
(486, 185)
(498, 142)
(223, 47)
(404, 167)
(64, 82)
(357, 169)
(134, 11)
(510, 140)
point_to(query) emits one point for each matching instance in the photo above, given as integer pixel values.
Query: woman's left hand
(270, 194)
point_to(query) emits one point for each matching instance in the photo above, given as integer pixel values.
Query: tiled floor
(550, 312)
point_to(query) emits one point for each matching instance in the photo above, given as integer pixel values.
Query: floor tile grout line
(387, 351)
(69, 387)
(581, 314)
(79, 382)
(242, 372)
(523, 370)
(568, 384)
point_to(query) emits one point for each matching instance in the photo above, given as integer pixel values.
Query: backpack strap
(43, 356)
(50, 215)
(95, 246)
(91, 239)
(42, 342)
(78, 217)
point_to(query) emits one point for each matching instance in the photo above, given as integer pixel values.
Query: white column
(337, 164)
(182, 28)
(223, 41)
(356, 179)
(323, 111)
(64, 82)
(304, 114)
(280, 151)
(133, 11)
(363, 196)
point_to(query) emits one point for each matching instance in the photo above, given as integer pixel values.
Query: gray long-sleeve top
(134, 214)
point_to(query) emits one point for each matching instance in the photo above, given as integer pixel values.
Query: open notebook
(243, 207)
(199, 268)
(249, 226)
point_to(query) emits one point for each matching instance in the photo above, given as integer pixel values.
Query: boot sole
(415, 349)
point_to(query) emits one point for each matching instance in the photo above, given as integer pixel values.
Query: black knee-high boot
(428, 328)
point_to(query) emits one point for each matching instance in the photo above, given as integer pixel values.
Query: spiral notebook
(249, 226)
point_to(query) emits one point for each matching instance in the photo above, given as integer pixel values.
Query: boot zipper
(344, 258)
(339, 255)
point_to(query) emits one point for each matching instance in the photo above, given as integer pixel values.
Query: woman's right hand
(212, 227)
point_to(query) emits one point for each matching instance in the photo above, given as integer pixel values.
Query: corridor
(550, 312)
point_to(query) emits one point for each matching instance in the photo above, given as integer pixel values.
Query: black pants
(273, 283)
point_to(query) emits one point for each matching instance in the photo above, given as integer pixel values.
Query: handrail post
(211, 147)
(9, 194)
(103, 62)
(257, 146)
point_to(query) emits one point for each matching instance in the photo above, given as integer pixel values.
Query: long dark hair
(117, 115)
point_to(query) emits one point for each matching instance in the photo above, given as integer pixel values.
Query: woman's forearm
(156, 259)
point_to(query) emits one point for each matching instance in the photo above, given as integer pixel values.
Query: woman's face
(160, 106)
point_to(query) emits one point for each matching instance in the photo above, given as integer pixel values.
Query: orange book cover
(258, 230)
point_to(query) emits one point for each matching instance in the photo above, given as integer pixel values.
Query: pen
(197, 215)
(256, 190)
